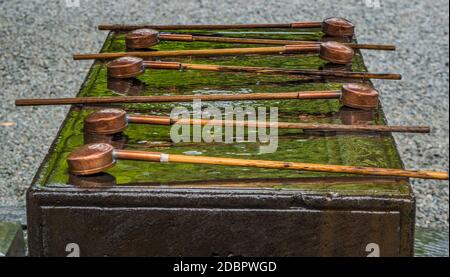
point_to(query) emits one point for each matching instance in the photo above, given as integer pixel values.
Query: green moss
(293, 145)
(11, 239)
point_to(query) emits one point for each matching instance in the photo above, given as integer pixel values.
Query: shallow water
(294, 145)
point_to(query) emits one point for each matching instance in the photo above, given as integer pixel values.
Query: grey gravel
(13, 214)
(38, 37)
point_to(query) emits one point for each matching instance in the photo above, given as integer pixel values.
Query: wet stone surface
(374, 150)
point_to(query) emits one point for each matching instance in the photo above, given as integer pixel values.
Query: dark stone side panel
(222, 232)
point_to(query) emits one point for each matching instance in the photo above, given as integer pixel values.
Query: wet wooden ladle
(130, 67)
(354, 95)
(146, 38)
(112, 121)
(331, 51)
(97, 157)
(332, 26)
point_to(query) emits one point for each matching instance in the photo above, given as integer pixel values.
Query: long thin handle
(271, 70)
(310, 126)
(161, 157)
(162, 120)
(190, 38)
(179, 98)
(119, 27)
(203, 52)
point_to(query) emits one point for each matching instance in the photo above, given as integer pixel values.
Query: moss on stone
(294, 145)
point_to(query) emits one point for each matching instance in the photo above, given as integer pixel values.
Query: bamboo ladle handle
(130, 67)
(330, 51)
(95, 158)
(357, 96)
(178, 98)
(112, 121)
(192, 38)
(332, 26)
(198, 52)
(269, 70)
(123, 27)
(146, 38)
(161, 120)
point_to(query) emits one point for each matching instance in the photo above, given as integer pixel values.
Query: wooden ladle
(112, 121)
(333, 26)
(331, 51)
(98, 157)
(352, 95)
(130, 67)
(146, 38)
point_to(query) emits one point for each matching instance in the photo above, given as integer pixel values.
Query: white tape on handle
(164, 158)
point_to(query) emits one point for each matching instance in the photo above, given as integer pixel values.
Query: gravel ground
(38, 38)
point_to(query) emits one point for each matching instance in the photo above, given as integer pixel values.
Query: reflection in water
(126, 87)
(336, 67)
(116, 140)
(273, 33)
(351, 116)
(96, 181)
(346, 116)
(106, 180)
(310, 183)
(338, 39)
(140, 50)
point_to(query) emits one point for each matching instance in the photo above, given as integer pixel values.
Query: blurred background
(38, 38)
